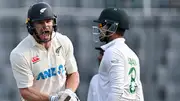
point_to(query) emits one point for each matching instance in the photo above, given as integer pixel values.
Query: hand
(67, 95)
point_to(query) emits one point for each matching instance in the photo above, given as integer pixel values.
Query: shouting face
(44, 29)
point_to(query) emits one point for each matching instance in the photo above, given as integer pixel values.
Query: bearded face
(44, 29)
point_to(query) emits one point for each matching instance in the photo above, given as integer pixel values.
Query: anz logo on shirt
(53, 71)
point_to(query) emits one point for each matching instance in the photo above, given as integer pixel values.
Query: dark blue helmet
(37, 12)
(114, 15)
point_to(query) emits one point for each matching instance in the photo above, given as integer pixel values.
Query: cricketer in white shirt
(34, 66)
(119, 75)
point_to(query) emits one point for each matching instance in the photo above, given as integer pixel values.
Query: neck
(46, 45)
(114, 36)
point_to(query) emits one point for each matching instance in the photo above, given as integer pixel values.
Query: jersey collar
(111, 43)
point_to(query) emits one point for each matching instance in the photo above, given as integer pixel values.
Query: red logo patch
(35, 59)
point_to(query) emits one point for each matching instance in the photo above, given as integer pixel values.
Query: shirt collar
(33, 41)
(111, 43)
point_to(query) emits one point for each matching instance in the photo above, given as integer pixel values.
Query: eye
(48, 20)
(39, 22)
(43, 21)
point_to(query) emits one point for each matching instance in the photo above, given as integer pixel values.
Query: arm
(116, 75)
(72, 81)
(24, 78)
(30, 94)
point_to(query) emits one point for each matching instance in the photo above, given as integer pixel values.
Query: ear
(30, 28)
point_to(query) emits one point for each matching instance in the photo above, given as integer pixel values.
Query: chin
(47, 39)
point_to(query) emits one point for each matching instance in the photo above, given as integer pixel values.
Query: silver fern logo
(58, 49)
(42, 10)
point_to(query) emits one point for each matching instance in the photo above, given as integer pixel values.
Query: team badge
(58, 49)
(42, 10)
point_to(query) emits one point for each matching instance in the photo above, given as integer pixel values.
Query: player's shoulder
(115, 51)
(61, 37)
(16, 54)
(22, 47)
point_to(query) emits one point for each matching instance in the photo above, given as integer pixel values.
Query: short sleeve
(21, 70)
(70, 64)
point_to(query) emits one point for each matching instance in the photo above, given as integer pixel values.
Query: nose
(45, 24)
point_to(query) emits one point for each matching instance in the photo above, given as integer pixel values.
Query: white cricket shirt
(44, 70)
(93, 89)
(119, 73)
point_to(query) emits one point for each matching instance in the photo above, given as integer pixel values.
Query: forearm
(72, 81)
(31, 94)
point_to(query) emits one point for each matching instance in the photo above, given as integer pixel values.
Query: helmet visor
(96, 33)
(99, 32)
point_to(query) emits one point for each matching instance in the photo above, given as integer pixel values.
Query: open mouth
(45, 32)
(45, 35)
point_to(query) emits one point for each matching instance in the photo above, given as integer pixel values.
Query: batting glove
(68, 95)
